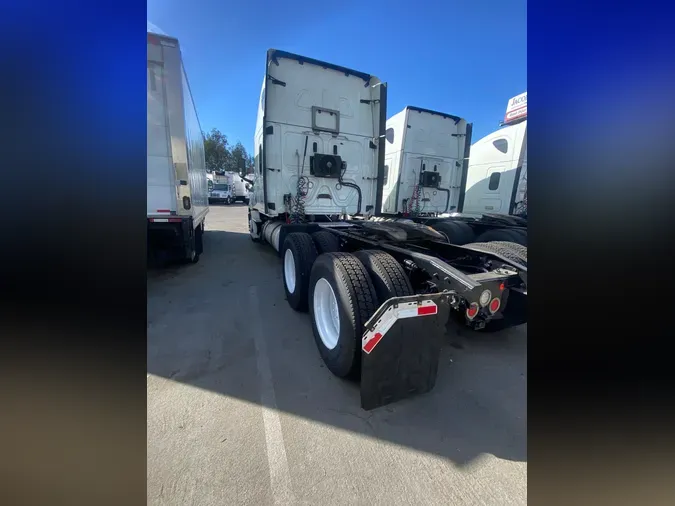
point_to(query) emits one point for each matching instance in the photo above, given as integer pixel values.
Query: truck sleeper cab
(433, 176)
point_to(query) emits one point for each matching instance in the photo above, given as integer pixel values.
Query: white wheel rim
(289, 270)
(326, 314)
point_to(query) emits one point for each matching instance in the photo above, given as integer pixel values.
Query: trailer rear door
(161, 176)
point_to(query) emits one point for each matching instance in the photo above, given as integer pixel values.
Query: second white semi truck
(468, 193)
(378, 293)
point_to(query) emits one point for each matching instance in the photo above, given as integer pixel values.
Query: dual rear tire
(509, 250)
(194, 245)
(341, 291)
(456, 232)
(514, 235)
(460, 233)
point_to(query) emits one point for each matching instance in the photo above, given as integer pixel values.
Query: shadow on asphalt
(202, 321)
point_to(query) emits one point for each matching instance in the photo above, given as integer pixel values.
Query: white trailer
(426, 157)
(497, 176)
(177, 189)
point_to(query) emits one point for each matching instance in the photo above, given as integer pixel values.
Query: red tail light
(472, 311)
(494, 305)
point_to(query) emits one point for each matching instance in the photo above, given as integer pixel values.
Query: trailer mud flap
(400, 349)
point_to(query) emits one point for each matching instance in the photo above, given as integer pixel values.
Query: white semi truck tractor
(378, 293)
(468, 193)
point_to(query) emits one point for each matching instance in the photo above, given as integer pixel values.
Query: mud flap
(400, 348)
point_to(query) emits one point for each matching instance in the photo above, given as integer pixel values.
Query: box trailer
(379, 293)
(177, 187)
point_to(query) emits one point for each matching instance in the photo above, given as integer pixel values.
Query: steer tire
(356, 302)
(389, 278)
(326, 242)
(298, 255)
(505, 249)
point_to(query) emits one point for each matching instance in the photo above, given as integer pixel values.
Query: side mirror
(389, 135)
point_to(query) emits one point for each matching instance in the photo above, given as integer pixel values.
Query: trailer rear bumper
(400, 348)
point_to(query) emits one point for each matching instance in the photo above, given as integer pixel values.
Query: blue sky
(456, 56)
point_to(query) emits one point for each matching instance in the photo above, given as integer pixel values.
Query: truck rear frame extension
(474, 283)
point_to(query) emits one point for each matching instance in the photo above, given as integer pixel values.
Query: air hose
(358, 191)
(298, 205)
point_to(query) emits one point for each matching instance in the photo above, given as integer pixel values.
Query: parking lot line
(280, 478)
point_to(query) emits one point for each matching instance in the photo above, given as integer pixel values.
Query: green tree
(216, 151)
(250, 165)
(221, 157)
(239, 158)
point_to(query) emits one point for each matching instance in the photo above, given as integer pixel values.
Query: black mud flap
(400, 348)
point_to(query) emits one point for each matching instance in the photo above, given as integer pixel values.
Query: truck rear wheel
(457, 232)
(192, 247)
(502, 234)
(199, 239)
(523, 236)
(298, 254)
(508, 250)
(342, 300)
(326, 242)
(387, 275)
(517, 249)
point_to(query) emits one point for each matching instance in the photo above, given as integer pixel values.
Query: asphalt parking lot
(241, 409)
